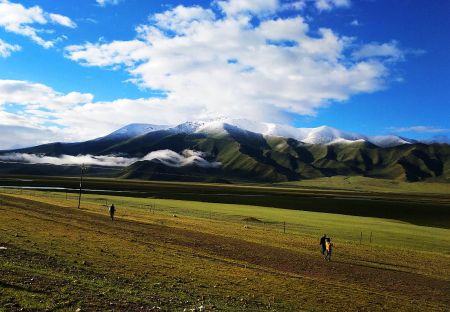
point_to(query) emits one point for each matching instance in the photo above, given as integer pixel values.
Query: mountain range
(238, 150)
(319, 135)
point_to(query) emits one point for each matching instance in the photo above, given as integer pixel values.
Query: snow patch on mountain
(389, 140)
(132, 130)
(187, 127)
(318, 135)
(328, 135)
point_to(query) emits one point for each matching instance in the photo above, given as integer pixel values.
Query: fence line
(152, 207)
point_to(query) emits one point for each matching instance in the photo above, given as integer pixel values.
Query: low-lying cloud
(166, 157)
(186, 158)
(112, 161)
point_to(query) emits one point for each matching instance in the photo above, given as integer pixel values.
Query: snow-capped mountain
(132, 130)
(389, 140)
(188, 127)
(319, 135)
(235, 149)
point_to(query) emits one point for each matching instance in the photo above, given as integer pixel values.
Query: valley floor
(55, 257)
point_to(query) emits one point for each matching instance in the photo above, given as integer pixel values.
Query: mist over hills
(238, 150)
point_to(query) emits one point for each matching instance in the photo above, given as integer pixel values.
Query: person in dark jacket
(112, 210)
(322, 244)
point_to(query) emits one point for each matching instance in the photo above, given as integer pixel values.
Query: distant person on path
(329, 249)
(112, 210)
(322, 244)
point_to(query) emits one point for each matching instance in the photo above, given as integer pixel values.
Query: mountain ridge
(317, 135)
(242, 155)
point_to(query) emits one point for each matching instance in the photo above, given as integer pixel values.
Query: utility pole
(82, 170)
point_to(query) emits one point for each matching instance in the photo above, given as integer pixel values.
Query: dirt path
(433, 293)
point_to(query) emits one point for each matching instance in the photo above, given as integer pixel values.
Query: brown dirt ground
(415, 290)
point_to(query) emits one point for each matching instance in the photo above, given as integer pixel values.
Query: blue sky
(72, 72)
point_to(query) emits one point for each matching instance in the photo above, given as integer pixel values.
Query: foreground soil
(56, 258)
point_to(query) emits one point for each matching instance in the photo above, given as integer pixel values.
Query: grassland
(427, 204)
(358, 183)
(171, 254)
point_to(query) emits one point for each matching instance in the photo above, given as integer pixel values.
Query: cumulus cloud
(181, 17)
(295, 5)
(74, 116)
(327, 5)
(255, 7)
(208, 62)
(36, 95)
(224, 64)
(166, 157)
(112, 54)
(16, 18)
(6, 49)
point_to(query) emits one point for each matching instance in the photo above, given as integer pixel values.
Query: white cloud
(389, 50)
(20, 134)
(6, 49)
(419, 129)
(62, 20)
(295, 5)
(73, 116)
(255, 7)
(355, 23)
(166, 157)
(227, 66)
(186, 158)
(114, 53)
(106, 2)
(39, 96)
(327, 5)
(68, 159)
(208, 65)
(181, 18)
(16, 18)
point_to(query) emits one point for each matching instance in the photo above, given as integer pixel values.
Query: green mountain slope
(250, 156)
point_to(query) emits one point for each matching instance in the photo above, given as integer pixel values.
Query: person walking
(322, 244)
(328, 249)
(112, 210)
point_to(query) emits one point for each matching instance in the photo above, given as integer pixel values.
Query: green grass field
(424, 204)
(385, 232)
(358, 183)
(182, 255)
